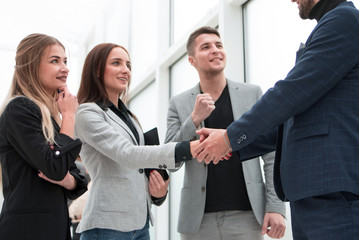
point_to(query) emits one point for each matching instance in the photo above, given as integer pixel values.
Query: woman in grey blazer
(120, 199)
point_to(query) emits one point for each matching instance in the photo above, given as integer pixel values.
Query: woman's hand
(67, 103)
(156, 185)
(68, 182)
(196, 143)
(193, 145)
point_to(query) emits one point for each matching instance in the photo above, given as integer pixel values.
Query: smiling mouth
(122, 79)
(216, 59)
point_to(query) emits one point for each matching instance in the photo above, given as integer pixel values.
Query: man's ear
(191, 60)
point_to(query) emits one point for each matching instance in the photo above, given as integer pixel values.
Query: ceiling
(71, 21)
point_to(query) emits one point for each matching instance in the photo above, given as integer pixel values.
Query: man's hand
(194, 145)
(273, 225)
(202, 109)
(214, 145)
(156, 185)
(68, 182)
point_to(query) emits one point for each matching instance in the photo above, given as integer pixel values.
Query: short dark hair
(195, 34)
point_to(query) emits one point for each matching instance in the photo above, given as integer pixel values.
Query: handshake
(213, 146)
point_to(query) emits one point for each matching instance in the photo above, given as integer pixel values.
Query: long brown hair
(26, 81)
(92, 86)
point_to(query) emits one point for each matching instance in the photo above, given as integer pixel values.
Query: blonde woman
(37, 145)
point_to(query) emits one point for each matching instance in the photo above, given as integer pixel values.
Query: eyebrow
(56, 57)
(208, 43)
(119, 59)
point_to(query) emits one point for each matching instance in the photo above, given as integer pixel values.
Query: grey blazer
(119, 195)
(193, 196)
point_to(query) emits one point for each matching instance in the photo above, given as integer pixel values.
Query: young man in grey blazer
(229, 200)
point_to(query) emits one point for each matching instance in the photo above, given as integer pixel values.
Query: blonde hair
(25, 81)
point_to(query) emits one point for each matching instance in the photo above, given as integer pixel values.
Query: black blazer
(34, 208)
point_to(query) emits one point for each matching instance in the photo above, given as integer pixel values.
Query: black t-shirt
(226, 188)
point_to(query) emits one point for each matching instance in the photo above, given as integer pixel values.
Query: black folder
(151, 138)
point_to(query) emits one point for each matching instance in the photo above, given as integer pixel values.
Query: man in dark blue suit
(316, 111)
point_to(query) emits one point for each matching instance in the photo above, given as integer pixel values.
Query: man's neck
(322, 7)
(213, 85)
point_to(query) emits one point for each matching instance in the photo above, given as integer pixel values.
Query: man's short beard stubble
(305, 8)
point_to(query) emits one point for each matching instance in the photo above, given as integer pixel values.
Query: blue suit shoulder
(347, 12)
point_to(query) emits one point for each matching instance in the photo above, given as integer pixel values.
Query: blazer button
(57, 153)
(140, 170)
(160, 166)
(243, 137)
(164, 166)
(203, 189)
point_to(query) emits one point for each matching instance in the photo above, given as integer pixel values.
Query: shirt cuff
(183, 152)
(66, 144)
(159, 201)
(81, 186)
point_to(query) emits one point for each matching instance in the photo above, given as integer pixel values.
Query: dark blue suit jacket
(318, 105)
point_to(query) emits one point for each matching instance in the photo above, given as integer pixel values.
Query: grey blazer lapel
(192, 100)
(119, 121)
(192, 96)
(238, 101)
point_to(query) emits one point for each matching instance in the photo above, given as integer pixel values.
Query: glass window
(143, 47)
(270, 42)
(183, 76)
(187, 13)
(144, 106)
(75, 65)
(7, 63)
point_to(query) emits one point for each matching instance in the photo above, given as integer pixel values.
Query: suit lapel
(239, 104)
(123, 125)
(192, 96)
(192, 100)
(237, 99)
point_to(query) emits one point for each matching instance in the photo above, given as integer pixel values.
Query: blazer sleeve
(177, 131)
(332, 51)
(93, 128)
(24, 132)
